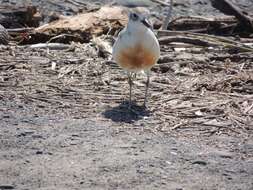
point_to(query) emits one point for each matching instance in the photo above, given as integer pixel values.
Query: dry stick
(54, 46)
(203, 23)
(161, 2)
(214, 39)
(19, 30)
(227, 19)
(61, 36)
(194, 41)
(198, 20)
(206, 30)
(76, 3)
(167, 19)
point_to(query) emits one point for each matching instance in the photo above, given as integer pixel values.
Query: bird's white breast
(136, 49)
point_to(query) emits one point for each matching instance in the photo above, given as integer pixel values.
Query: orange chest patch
(136, 58)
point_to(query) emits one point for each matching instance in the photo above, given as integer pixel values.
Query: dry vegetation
(208, 90)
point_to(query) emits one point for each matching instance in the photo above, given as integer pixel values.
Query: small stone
(200, 162)
(39, 152)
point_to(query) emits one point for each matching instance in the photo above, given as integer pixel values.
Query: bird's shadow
(122, 112)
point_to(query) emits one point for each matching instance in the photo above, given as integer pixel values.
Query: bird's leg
(147, 86)
(130, 82)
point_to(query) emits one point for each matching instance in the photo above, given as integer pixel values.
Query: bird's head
(139, 20)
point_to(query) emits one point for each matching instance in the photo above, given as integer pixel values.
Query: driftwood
(96, 23)
(18, 17)
(216, 25)
(81, 27)
(227, 7)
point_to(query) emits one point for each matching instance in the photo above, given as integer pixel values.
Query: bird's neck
(136, 28)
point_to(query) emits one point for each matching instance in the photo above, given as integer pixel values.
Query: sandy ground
(70, 128)
(85, 154)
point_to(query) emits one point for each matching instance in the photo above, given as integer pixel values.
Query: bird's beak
(146, 23)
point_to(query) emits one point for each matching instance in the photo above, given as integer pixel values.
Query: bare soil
(70, 127)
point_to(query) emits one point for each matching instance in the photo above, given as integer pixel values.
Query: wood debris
(85, 26)
(19, 16)
(227, 7)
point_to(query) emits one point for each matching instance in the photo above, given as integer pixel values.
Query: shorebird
(136, 49)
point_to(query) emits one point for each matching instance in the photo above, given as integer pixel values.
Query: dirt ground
(70, 128)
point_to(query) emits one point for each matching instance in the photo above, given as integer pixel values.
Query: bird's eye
(134, 16)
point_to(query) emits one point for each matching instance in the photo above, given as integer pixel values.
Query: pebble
(4, 187)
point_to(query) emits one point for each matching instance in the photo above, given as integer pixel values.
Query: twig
(248, 109)
(194, 41)
(76, 3)
(62, 36)
(168, 17)
(19, 30)
(179, 125)
(161, 2)
(54, 46)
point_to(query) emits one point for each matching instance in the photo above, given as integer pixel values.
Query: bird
(136, 50)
